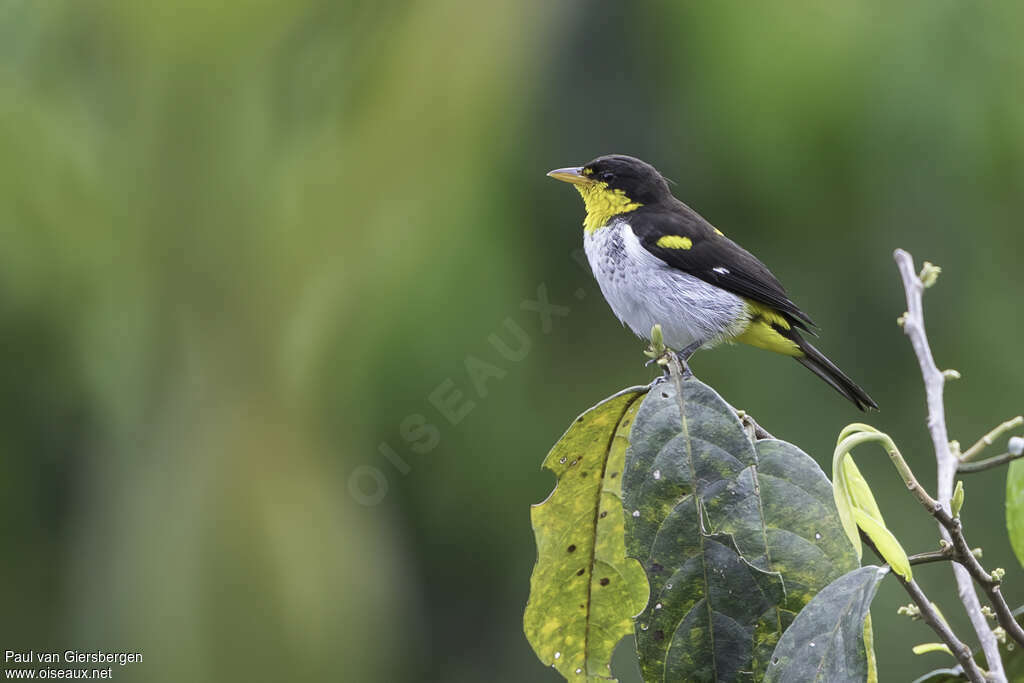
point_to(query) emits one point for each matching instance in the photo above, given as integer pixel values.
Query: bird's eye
(606, 176)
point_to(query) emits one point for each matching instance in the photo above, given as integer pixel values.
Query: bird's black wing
(711, 256)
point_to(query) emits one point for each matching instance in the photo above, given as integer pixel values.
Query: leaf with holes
(825, 643)
(772, 501)
(584, 591)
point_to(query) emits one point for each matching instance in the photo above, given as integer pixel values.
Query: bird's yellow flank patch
(763, 331)
(718, 232)
(674, 242)
(602, 203)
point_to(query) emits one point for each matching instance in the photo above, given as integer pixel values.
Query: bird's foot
(684, 365)
(664, 361)
(658, 380)
(660, 354)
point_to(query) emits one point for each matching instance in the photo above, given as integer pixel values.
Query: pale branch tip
(989, 438)
(947, 464)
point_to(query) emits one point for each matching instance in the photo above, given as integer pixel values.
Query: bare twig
(956, 548)
(991, 437)
(934, 381)
(930, 616)
(990, 582)
(754, 430)
(988, 463)
(944, 555)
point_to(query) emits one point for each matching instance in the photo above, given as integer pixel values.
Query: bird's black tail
(815, 361)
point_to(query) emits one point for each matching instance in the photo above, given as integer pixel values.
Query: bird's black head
(613, 185)
(637, 179)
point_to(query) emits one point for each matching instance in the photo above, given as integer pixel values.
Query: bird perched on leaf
(658, 262)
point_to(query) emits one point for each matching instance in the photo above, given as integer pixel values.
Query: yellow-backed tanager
(658, 261)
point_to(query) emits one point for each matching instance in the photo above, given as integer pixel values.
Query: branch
(956, 546)
(934, 381)
(988, 463)
(930, 616)
(754, 430)
(944, 555)
(990, 438)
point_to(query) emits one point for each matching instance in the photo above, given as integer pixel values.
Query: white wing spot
(720, 270)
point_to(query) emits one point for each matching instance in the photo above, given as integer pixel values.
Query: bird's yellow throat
(602, 203)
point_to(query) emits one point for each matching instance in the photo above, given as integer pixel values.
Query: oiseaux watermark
(451, 401)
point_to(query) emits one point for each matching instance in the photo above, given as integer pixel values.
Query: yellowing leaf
(584, 591)
(869, 648)
(844, 500)
(924, 648)
(853, 496)
(860, 492)
(887, 545)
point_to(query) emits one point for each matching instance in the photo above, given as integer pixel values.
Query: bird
(658, 262)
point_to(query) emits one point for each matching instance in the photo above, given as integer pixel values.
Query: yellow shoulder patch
(718, 232)
(674, 242)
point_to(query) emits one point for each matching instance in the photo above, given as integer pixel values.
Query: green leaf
(784, 520)
(699, 494)
(1015, 507)
(584, 591)
(710, 605)
(798, 533)
(958, 499)
(826, 641)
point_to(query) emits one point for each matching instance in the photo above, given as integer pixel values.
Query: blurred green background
(243, 244)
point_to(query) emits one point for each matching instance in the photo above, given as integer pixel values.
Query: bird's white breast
(643, 291)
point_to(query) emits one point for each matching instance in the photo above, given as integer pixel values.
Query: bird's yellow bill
(572, 174)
